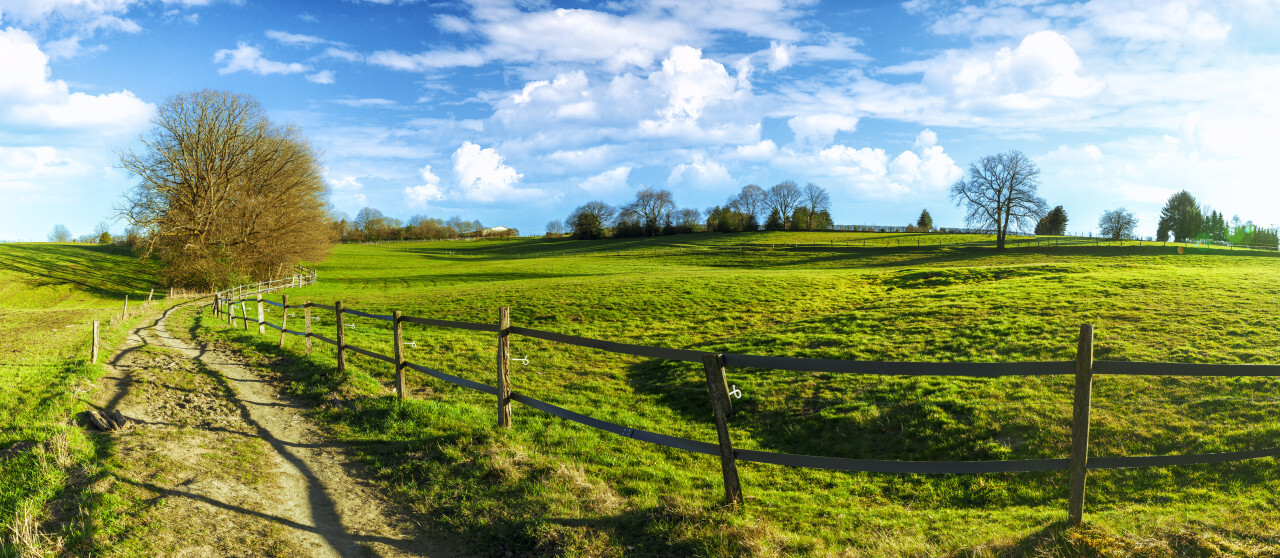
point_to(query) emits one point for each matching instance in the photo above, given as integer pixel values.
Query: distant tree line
(1187, 221)
(370, 225)
(783, 206)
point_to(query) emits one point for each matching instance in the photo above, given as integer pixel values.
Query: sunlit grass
(548, 485)
(49, 295)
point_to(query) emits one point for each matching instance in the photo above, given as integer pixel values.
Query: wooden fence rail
(1083, 368)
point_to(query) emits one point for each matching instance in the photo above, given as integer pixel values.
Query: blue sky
(515, 112)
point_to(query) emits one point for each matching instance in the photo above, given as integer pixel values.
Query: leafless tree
(60, 233)
(651, 206)
(1117, 224)
(555, 227)
(816, 199)
(784, 197)
(590, 219)
(751, 201)
(224, 194)
(1000, 192)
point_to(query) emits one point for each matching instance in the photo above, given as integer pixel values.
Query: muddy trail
(216, 462)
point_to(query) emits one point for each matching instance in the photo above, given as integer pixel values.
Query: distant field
(49, 295)
(552, 486)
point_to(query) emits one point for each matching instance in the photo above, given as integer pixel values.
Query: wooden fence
(1084, 367)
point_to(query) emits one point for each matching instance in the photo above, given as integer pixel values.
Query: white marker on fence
(524, 361)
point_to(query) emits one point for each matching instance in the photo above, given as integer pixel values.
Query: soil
(217, 462)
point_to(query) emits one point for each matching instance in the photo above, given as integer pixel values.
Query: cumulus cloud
(428, 191)
(248, 58)
(924, 170)
(483, 177)
(762, 151)
(607, 182)
(820, 129)
(30, 99)
(700, 173)
(1041, 70)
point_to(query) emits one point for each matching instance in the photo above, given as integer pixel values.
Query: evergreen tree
(1180, 216)
(925, 222)
(774, 223)
(1054, 223)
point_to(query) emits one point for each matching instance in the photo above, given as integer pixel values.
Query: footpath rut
(242, 472)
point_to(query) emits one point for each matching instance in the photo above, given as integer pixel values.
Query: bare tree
(816, 200)
(1117, 224)
(751, 201)
(371, 222)
(651, 206)
(555, 227)
(60, 233)
(784, 197)
(224, 194)
(1000, 192)
(590, 219)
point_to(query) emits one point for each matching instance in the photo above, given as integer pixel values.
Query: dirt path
(220, 464)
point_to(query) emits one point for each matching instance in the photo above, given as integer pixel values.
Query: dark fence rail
(1083, 368)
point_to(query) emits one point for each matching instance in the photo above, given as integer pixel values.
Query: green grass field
(550, 486)
(49, 295)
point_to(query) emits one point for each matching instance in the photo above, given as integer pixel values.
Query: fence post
(342, 339)
(94, 356)
(399, 338)
(217, 308)
(504, 367)
(124, 315)
(153, 291)
(244, 315)
(306, 317)
(1080, 425)
(262, 322)
(718, 388)
(284, 318)
(171, 293)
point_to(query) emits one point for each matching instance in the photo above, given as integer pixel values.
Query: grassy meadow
(551, 486)
(49, 295)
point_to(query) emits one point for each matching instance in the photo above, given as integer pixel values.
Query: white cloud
(607, 182)
(779, 55)
(762, 151)
(820, 129)
(370, 102)
(428, 191)
(872, 172)
(482, 176)
(347, 191)
(294, 39)
(582, 158)
(1041, 70)
(453, 24)
(28, 98)
(1179, 21)
(323, 76)
(691, 86)
(700, 173)
(249, 59)
(343, 54)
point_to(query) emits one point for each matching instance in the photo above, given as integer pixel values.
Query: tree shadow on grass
(94, 269)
